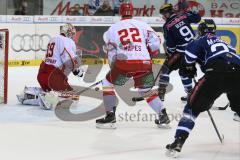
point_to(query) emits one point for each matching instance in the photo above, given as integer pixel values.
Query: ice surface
(29, 133)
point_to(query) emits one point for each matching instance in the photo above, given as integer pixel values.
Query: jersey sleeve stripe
(179, 50)
(73, 63)
(190, 54)
(221, 52)
(188, 61)
(232, 48)
(235, 55)
(171, 48)
(185, 44)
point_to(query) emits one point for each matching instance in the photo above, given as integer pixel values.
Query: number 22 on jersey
(130, 35)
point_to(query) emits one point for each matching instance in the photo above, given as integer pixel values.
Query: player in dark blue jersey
(177, 33)
(221, 65)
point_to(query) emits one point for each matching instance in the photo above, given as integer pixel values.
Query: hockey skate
(108, 122)
(163, 121)
(236, 117)
(174, 149)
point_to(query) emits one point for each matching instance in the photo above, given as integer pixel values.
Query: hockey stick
(213, 122)
(85, 89)
(138, 99)
(221, 138)
(61, 102)
(89, 87)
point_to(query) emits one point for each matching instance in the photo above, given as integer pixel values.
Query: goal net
(4, 34)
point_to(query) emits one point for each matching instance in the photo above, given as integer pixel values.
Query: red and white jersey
(131, 40)
(61, 53)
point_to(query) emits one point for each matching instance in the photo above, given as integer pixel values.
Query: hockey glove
(190, 70)
(78, 72)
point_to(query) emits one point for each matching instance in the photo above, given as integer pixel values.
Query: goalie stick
(78, 93)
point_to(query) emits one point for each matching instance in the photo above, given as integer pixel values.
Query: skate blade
(164, 126)
(172, 153)
(106, 126)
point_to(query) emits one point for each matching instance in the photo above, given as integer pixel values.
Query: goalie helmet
(126, 9)
(68, 30)
(166, 8)
(206, 26)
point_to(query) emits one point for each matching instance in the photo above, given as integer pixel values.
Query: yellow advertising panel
(230, 35)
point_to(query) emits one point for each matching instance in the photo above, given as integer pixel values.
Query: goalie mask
(68, 30)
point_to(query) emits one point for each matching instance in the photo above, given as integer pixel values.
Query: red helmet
(126, 9)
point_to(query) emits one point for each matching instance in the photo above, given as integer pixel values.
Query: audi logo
(53, 18)
(30, 42)
(26, 18)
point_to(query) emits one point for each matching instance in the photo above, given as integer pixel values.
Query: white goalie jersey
(61, 53)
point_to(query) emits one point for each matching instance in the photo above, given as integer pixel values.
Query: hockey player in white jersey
(60, 60)
(130, 44)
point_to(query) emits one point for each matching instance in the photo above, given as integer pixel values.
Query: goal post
(4, 42)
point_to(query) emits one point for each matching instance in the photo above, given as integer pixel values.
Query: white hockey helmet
(68, 30)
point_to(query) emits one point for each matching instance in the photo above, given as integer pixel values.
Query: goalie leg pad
(49, 100)
(30, 96)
